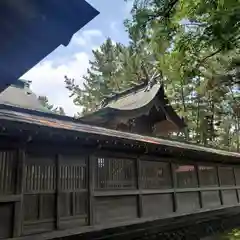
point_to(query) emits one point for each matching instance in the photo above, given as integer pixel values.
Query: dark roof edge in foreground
(67, 123)
(46, 25)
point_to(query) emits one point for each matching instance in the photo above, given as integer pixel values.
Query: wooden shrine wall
(42, 191)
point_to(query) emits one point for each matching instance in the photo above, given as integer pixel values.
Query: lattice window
(208, 175)
(40, 173)
(226, 176)
(186, 176)
(39, 188)
(112, 173)
(7, 172)
(73, 186)
(73, 177)
(155, 175)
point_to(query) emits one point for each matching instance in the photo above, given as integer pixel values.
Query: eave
(64, 130)
(31, 29)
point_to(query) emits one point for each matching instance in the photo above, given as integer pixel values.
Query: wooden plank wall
(42, 191)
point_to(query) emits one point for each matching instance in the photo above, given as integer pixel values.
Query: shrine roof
(20, 95)
(132, 103)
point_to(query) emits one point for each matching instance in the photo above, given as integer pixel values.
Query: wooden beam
(10, 198)
(117, 192)
(132, 192)
(90, 178)
(19, 206)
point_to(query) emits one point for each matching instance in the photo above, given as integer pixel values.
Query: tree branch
(164, 14)
(209, 56)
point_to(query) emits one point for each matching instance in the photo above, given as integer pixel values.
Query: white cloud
(48, 80)
(116, 28)
(84, 38)
(48, 76)
(79, 40)
(113, 26)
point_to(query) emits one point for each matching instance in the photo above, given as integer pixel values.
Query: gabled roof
(31, 29)
(134, 99)
(20, 95)
(133, 103)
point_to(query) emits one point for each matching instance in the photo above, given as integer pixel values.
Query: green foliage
(102, 78)
(45, 103)
(234, 235)
(196, 48)
(115, 67)
(193, 46)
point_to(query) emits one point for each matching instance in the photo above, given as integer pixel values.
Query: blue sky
(48, 76)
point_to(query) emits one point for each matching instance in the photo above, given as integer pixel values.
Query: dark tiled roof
(127, 104)
(131, 100)
(31, 29)
(133, 103)
(20, 95)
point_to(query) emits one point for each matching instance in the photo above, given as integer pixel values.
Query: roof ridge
(127, 92)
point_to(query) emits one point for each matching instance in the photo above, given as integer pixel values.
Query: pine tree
(114, 68)
(45, 103)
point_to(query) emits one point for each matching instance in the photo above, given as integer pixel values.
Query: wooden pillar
(58, 185)
(90, 179)
(174, 184)
(139, 187)
(235, 183)
(219, 184)
(199, 185)
(18, 206)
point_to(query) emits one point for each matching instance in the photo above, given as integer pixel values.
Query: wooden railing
(46, 192)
